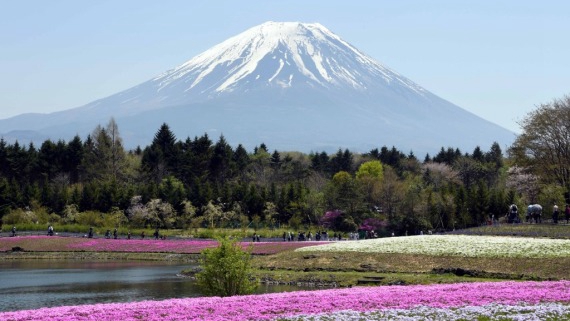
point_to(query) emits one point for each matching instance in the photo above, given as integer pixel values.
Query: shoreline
(102, 256)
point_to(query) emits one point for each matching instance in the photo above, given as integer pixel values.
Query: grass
(558, 231)
(352, 278)
(422, 265)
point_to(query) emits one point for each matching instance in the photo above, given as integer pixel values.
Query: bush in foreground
(226, 270)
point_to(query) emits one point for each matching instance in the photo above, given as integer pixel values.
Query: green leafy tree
(342, 193)
(226, 270)
(369, 177)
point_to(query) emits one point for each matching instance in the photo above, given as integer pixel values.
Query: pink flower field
(306, 304)
(67, 244)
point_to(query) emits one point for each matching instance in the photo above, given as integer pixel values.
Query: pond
(35, 284)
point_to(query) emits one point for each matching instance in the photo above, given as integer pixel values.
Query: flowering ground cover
(67, 244)
(521, 312)
(455, 245)
(343, 304)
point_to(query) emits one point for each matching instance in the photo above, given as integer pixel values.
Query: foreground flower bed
(318, 304)
(66, 244)
(455, 245)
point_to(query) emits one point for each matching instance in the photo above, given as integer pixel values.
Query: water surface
(32, 284)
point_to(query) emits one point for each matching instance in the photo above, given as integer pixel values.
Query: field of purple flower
(304, 305)
(74, 244)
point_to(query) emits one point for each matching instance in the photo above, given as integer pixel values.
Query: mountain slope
(294, 86)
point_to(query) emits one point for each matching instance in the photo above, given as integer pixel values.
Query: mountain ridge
(279, 76)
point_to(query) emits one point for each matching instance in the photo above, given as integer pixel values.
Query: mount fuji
(293, 86)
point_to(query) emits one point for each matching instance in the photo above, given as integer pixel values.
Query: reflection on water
(36, 284)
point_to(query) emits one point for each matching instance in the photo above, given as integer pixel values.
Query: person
(115, 234)
(567, 213)
(128, 235)
(50, 230)
(108, 234)
(555, 214)
(90, 235)
(156, 234)
(142, 235)
(513, 214)
(14, 230)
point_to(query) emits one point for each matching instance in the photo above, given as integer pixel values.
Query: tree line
(198, 182)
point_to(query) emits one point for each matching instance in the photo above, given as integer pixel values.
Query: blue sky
(497, 59)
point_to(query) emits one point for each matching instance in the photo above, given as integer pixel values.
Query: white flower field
(454, 245)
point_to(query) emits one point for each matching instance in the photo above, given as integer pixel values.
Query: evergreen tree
(478, 154)
(320, 162)
(172, 191)
(495, 156)
(275, 159)
(241, 158)
(342, 161)
(221, 163)
(162, 157)
(74, 154)
(4, 163)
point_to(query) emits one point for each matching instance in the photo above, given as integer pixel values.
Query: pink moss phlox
(275, 305)
(184, 246)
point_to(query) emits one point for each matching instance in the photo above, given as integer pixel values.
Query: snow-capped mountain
(293, 86)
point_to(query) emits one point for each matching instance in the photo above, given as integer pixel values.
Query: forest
(200, 182)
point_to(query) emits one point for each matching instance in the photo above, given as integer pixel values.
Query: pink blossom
(184, 246)
(276, 305)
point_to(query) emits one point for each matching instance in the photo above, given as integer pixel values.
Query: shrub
(70, 213)
(226, 270)
(19, 216)
(90, 218)
(373, 224)
(338, 221)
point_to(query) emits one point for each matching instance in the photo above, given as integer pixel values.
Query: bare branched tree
(544, 145)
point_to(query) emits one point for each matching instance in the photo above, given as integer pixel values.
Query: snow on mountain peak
(295, 86)
(281, 55)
